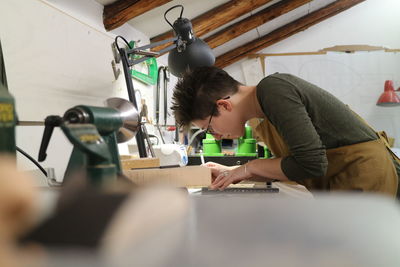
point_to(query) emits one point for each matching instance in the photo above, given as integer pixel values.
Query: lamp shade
(191, 52)
(196, 54)
(388, 97)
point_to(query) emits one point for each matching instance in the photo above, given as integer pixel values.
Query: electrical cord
(33, 160)
(155, 136)
(168, 10)
(194, 136)
(116, 41)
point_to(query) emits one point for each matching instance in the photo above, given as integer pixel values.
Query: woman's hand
(217, 169)
(258, 170)
(230, 176)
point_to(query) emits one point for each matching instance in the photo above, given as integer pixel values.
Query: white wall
(356, 79)
(58, 55)
(373, 22)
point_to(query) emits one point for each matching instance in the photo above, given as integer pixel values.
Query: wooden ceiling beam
(215, 18)
(121, 11)
(253, 21)
(285, 31)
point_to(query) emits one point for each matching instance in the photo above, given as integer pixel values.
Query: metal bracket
(116, 70)
(117, 57)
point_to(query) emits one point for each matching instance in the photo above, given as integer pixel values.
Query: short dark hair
(196, 93)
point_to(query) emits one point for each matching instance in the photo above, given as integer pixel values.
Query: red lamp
(389, 97)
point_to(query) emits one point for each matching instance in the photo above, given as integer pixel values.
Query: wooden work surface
(199, 176)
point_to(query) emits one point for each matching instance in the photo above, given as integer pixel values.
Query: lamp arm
(148, 54)
(167, 49)
(137, 61)
(126, 64)
(152, 45)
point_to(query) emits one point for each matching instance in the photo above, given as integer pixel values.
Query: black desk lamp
(188, 52)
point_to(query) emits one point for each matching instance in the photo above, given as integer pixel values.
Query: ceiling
(152, 22)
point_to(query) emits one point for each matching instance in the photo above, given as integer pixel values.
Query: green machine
(8, 118)
(246, 150)
(94, 132)
(211, 146)
(247, 145)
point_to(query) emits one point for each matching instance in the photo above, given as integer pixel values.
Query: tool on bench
(94, 132)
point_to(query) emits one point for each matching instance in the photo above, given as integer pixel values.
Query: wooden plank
(253, 21)
(264, 55)
(215, 18)
(336, 48)
(122, 157)
(392, 50)
(285, 31)
(353, 48)
(139, 163)
(189, 176)
(119, 12)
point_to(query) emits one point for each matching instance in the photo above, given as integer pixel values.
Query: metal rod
(161, 135)
(157, 102)
(137, 61)
(153, 154)
(167, 49)
(166, 78)
(132, 51)
(146, 53)
(131, 92)
(30, 123)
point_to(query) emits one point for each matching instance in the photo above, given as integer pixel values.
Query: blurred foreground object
(332, 230)
(167, 227)
(17, 208)
(8, 118)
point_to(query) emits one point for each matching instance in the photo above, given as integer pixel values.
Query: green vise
(94, 132)
(90, 149)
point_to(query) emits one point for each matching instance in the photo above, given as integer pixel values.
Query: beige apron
(365, 166)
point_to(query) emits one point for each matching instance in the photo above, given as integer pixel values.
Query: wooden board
(189, 176)
(137, 163)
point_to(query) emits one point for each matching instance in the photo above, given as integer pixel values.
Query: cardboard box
(188, 176)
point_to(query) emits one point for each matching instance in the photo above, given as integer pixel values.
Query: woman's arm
(262, 169)
(267, 169)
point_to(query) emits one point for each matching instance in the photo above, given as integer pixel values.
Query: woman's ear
(225, 104)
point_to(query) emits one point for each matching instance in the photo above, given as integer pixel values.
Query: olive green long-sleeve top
(310, 120)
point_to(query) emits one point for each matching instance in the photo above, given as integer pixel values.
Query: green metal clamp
(151, 76)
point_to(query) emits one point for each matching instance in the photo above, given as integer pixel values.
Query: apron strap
(382, 136)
